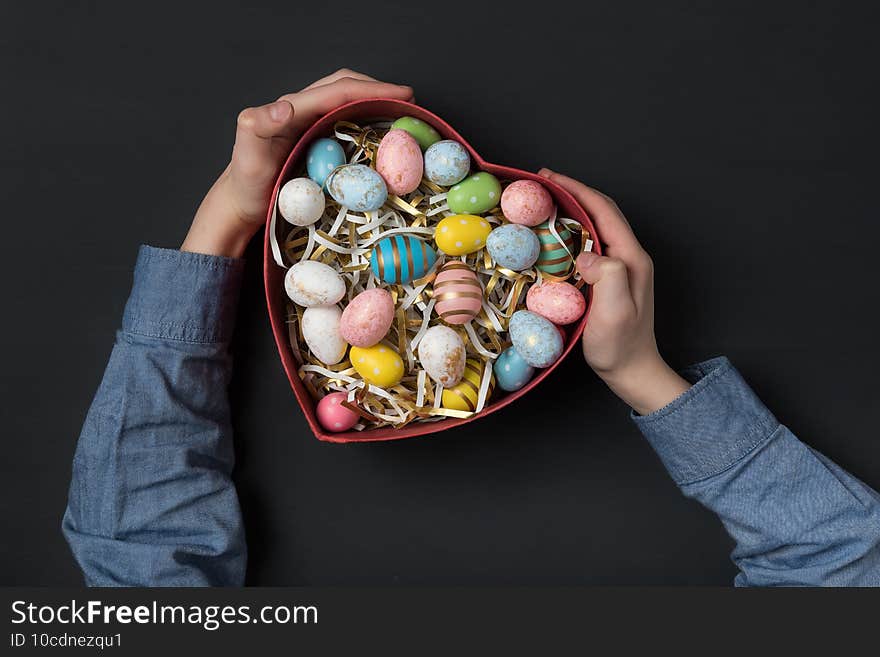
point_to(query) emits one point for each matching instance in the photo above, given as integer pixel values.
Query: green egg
(421, 131)
(479, 193)
(553, 258)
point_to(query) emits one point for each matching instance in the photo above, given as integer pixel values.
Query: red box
(364, 111)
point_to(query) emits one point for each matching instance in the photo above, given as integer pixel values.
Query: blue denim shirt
(152, 502)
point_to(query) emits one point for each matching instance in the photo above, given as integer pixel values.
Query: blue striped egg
(401, 259)
(324, 156)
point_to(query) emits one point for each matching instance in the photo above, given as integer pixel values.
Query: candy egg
(464, 395)
(560, 302)
(332, 415)
(460, 234)
(535, 338)
(513, 246)
(401, 259)
(479, 193)
(446, 163)
(424, 134)
(357, 187)
(311, 283)
(378, 365)
(320, 329)
(367, 318)
(554, 259)
(526, 202)
(442, 354)
(457, 293)
(301, 201)
(511, 371)
(399, 162)
(324, 156)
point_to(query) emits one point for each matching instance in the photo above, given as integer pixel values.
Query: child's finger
(314, 103)
(258, 136)
(338, 75)
(608, 276)
(267, 121)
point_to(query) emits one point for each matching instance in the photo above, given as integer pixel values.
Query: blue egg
(446, 163)
(324, 156)
(513, 246)
(511, 371)
(401, 259)
(357, 187)
(536, 339)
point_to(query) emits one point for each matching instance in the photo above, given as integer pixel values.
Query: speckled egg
(457, 293)
(464, 395)
(513, 246)
(554, 259)
(442, 355)
(357, 187)
(311, 283)
(367, 317)
(378, 365)
(535, 338)
(460, 234)
(324, 156)
(560, 302)
(320, 330)
(401, 259)
(332, 415)
(526, 202)
(446, 163)
(424, 134)
(479, 193)
(511, 371)
(301, 201)
(399, 162)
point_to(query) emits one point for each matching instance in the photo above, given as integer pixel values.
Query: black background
(740, 138)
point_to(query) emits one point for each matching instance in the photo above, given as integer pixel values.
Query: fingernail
(279, 110)
(545, 172)
(585, 260)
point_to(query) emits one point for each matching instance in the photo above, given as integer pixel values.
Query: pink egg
(457, 294)
(560, 302)
(367, 318)
(333, 416)
(400, 162)
(526, 202)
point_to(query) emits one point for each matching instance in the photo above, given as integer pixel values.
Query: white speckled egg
(320, 330)
(447, 162)
(442, 354)
(301, 201)
(357, 187)
(310, 283)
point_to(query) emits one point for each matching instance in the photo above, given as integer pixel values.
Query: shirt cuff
(177, 295)
(717, 422)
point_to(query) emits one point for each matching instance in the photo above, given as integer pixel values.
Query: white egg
(320, 329)
(442, 354)
(310, 283)
(301, 201)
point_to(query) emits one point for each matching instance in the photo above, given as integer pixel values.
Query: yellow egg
(379, 365)
(461, 234)
(463, 396)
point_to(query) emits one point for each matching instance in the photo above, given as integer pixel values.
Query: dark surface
(741, 142)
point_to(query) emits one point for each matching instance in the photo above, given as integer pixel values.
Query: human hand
(236, 205)
(618, 340)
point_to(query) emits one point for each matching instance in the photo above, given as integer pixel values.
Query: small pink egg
(457, 293)
(560, 302)
(526, 202)
(400, 162)
(367, 318)
(333, 416)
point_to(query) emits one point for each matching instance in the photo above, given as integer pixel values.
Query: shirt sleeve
(151, 500)
(796, 517)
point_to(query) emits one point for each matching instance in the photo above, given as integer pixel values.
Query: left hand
(236, 205)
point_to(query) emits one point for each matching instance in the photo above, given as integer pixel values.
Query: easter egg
(301, 201)
(511, 371)
(446, 163)
(311, 283)
(535, 338)
(332, 415)
(399, 162)
(457, 293)
(513, 246)
(424, 134)
(479, 193)
(324, 156)
(464, 395)
(526, 202)
(320, 330)
(378, 365)
(367, 317)
(442, 354)
(554, 259)
(401, 258)
(357, 187)
(460, 234)
(560, 302)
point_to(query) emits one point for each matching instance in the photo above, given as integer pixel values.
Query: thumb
(257, 137)
(608, 276)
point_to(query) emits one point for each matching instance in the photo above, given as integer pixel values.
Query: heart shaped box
(365, 111)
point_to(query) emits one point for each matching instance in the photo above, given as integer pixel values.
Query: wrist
(219, 227)
(647, 384)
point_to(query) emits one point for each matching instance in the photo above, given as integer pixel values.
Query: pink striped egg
(457, 293)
